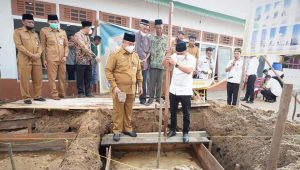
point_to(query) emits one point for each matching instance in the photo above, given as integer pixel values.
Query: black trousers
(71, 69)
(268, 95)
(156, 76)
(250, 87)
(84, 76)
(186, 105)
(232, 93)
(145, 74)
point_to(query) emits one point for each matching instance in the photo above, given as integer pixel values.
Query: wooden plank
(206, 159)
(36, 141)
(151, 138)
(150, 147)
(81, 104)
(280, 125)
(17, 124)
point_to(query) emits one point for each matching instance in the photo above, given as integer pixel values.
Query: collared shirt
(274, 86)
(28, 43)
(193, 50)
(205, 67)
(158, 51)
(71, 60)
(182, 83)
(143, 47)
(54, 43)
(235, 74)
(84, 54)
(123, 70)
(252, 66)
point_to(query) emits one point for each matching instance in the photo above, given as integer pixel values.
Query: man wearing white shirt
(181, 89)
(251, 73)
(271, 90)
(205, 65)
(273, 75)
(234, 70)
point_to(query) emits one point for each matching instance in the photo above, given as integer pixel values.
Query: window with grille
(135, 24)
(37, 8)
(175, 30)
(189, 31)
(238, 42)
(115, 19)
(75, 14)
(210, 37)
(225, 40)
(292, 62)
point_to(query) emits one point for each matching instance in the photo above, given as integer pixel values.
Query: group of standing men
(127, 68)
(51, 50)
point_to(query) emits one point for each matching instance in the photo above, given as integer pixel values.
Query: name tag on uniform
(37, 43)
(61, 41)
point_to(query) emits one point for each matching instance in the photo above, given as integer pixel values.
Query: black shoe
(116, 137)
(171, 133)
(89, 95)
(157, 100)
(143, 102)
(243, 99)
(149, 102)
(250, 102)
(185, 138)
(27, 101)
(40, 99)
(131, 134)
(81, 96)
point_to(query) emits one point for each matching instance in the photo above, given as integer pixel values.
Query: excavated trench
(239, 136)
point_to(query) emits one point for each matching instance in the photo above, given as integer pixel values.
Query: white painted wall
(8, 65)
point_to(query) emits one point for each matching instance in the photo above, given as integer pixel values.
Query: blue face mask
(53, 25)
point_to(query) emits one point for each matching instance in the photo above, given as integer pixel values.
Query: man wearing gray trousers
(158, 51)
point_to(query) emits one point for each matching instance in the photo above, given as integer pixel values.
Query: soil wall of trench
(224, 124)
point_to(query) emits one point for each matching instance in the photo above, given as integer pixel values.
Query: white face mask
(180, 57)
(129, 48)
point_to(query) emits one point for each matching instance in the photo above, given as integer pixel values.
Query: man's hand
(170, 60)
(116, 91)
(140, 90)
(64, 59)
(45, 64)
(35, 56)
(71, 44)
(98, 59)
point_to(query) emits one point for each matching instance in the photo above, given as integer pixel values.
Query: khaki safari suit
(123, 70)
(193, 50)
(28, 43)
(55, 45)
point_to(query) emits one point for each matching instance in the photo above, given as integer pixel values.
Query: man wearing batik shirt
(142, 47)
(158, 51)
(84, 57)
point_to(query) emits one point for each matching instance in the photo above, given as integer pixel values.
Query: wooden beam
(150, 147)
(35, 141)
(17, 124)
(151, 138)
(108, 158)
(206, 159)
(280, 125)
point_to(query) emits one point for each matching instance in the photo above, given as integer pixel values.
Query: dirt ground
(240, 136)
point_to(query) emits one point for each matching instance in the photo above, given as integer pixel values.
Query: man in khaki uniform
(29, 59)
(55, 43)
(123, 71)
(192, 48)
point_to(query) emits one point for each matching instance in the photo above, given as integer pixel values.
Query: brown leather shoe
(61, 96)
(55, 98)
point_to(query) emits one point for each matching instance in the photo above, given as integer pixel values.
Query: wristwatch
(176, 65)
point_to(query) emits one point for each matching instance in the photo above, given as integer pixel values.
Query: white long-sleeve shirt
(252, 66)
(235, 74)
(206, 65)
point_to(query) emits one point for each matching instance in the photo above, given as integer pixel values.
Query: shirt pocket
(51, 39)
(25, 38)
(122, 64)
(61, 40)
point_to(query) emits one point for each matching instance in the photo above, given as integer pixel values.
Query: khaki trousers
(56, 69)
(35, 72)
(122, 114)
